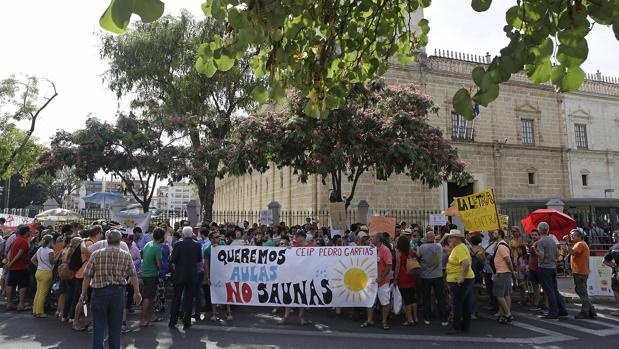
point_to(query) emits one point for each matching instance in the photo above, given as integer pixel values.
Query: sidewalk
(566, 287)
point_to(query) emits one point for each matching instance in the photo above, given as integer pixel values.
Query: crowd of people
(106, 272)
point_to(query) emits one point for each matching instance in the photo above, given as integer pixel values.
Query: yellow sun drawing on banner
(354, 279)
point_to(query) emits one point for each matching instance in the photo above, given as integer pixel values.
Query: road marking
(610, 329)
(550, 336)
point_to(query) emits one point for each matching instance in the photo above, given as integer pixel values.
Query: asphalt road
(257, 328)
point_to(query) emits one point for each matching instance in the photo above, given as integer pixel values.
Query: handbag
(412, 266)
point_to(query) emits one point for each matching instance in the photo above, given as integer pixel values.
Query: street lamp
(608, 191)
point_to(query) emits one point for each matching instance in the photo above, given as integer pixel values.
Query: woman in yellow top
(460, 278)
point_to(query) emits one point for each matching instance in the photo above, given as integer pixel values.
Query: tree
(384, 129)
(61, 184)
(20, 102)
(25, 192)
(134, 149)
(319, 48)
(156, 63)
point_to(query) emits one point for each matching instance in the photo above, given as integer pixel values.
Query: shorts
(149, 290)
(614, 284)
(384, 294)
(19, 278)
(502, 285)
(409, 295)
(533, 277)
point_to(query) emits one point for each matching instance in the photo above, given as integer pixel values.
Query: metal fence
(294, 217)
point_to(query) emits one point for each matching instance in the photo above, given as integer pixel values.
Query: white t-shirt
(43, 262)
(101, 244)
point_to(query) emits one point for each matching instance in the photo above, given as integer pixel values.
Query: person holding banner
(611, 259)
(460, 278)
(300, 241)
(385, 261)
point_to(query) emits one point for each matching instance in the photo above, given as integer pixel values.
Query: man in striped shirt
(106, 273)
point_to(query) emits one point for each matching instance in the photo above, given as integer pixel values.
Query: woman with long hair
(406, 283)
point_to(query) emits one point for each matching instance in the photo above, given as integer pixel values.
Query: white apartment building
(175, 197)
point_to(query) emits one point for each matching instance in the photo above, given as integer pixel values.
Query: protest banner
(437, 219)
(504, 221)
(294, 277)
(380, 224)
(15, 220)
(337, 215)
(130, 221)
(266, 217)
(599, 281)
(478, 211)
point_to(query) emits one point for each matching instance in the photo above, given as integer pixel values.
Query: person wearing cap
(106, 274)
(460, 278)
(300, 241)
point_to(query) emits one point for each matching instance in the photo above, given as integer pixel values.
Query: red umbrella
(560, 223)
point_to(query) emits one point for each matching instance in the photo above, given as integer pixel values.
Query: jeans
(44, 281)
(107, 305)
(187, 300)
(198, 295)
(461, 295)
(70, 294)
(438, 285)
(548, 279)
(580, 285)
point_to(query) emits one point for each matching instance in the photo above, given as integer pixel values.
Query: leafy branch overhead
(323, 48)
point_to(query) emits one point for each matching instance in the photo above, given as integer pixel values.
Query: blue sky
(58, 39)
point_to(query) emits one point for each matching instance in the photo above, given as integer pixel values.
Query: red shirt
(533, 266)
(405, 280)
(384, 262)
(20, 243)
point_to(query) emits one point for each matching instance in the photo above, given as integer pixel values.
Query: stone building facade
(523, 145)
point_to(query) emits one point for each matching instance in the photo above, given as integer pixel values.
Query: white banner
(599, 282)
(437, 219)
(15, 220)
(129, 221)
(294, 277)
(266, 217)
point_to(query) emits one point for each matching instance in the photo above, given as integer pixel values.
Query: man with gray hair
(546, 250)
(106, 273)
(186, 255)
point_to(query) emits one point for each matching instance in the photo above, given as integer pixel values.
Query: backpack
(495, 251)
(476, 264)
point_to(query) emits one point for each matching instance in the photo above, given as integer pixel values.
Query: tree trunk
(201, 185)
(209, 192)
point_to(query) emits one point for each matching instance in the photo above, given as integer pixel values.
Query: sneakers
(535, 308)
(426, 322)
(445, 324)
(550, 317)
(229, 317)
(581, 316)
(564, 314)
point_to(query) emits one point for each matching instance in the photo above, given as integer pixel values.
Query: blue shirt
(141, 242)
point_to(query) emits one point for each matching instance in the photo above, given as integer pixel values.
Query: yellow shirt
(454, 263)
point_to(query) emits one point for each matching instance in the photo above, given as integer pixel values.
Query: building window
(581, 136)
(461, 129)
(527, 131)
(585, 180)
(531, 178)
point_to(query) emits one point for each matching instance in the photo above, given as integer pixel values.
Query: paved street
(257, 328)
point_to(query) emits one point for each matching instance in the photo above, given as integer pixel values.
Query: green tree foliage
(156, 63)
(134, 149)
(383, 129)
(21, 102)
(61, 184)
(323, 48)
